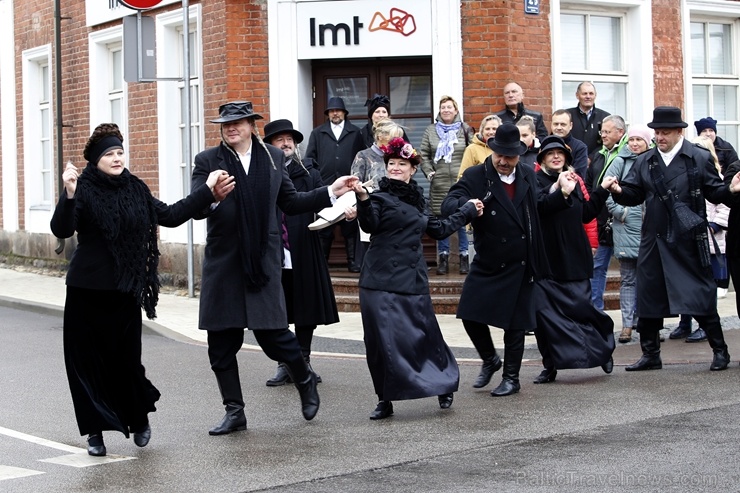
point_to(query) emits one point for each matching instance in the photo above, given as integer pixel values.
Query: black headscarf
(122, 209)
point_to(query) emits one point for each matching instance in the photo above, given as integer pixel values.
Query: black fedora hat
(506, 141)
(236, 110)
(550, 143)
(667, 117)
(336, 103)
(277, 127)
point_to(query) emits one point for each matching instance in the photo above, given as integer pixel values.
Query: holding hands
(221, 184)
(612, 184)
(344, 184)
(567, 182)
(478, 206)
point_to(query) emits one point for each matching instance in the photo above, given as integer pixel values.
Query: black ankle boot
(95, 445)
(491, 365)
(445, 400)
(231, 393)
(142, 437)
(309, 396)
(513, 353)
(717, 342)
(382, 410)
(281, 377)
(310, 368)
(443, 266)
(464, 264)
(546, 376)
(650, 359)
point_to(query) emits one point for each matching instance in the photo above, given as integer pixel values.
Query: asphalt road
(670, 430)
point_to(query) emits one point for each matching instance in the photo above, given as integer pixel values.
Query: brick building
(289, 56)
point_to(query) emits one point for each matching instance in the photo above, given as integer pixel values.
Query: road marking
(78, 458)
(9, 472)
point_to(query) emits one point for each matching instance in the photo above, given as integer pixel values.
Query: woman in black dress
(571, 332)
(406, 353)
(113, 275)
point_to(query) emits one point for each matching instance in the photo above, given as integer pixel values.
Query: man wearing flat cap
(726, 154)
(241, 281)
(309, 295)
(674, 273)
(333, 146)
(509, 256)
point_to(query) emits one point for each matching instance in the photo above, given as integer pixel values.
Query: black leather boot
(383, 410)
(310, 368)
(513, 353)
(309, 396)
(491, 365)
(650, 344)
(281, 377)
(546, 376)
(683, 330)
(717, 342)
(464, 264)
(443, 266)
(349, 246)
(231, 393)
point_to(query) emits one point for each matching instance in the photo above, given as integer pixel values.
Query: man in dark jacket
(333, 146)
(674, 273)
(309, 295)
(587, 117)
(725, 152)
(241, 281)
(514, 100)
(562, 126)
(509, 258)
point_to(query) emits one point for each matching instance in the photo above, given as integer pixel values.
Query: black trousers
(278, 344)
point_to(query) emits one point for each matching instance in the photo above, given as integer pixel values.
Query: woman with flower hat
(406, 353)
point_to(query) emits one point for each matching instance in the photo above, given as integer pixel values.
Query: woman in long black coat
(113, 275)
(406, 353)
(571, 332)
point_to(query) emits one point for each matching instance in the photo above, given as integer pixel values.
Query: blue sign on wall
(532, 6)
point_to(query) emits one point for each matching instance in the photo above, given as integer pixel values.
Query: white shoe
(335, 213)
(721, 293)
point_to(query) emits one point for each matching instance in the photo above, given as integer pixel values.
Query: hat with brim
(506, 141)
(277, 127)
(336, 103)
(551, 143)
(236, 110)
(667, 117)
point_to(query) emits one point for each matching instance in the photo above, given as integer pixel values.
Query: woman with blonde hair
(478, 150)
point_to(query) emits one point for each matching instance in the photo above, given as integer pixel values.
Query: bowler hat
(506, 141)
(667, 117)
(236, 110)
(336, 103)
(550, 143)
(277, 127)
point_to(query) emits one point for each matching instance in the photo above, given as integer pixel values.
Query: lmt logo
(348, 35)
(398, 21)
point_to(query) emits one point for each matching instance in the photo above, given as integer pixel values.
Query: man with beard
(309, 296)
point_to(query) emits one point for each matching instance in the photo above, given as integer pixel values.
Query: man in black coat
(726, 154)
(515, 110)
(674, 273)
(333, 146)
(309, 296)
(587, 117)
(562, 126)
(241, 280)
(509, 258)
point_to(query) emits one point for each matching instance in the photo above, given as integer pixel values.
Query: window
(196, 132)
(108, 91)
(714, 80)
(593, 50)
(115, 84)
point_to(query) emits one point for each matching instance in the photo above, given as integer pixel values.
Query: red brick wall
(667, 54)
(502, 44)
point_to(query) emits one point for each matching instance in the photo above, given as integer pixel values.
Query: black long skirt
(571, 332)
(406, 353)
(102, 355)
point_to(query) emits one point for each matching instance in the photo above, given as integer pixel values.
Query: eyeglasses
(605, 132)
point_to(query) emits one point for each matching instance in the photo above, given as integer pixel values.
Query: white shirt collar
(668, 157)
(508, 179)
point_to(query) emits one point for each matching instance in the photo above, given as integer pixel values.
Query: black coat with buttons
(333, 156)
(509, 251)
(395, 261)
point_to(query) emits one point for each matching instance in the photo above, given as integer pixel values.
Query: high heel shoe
(382, 410)
(546, 376)
(95, 445)
(445, 400)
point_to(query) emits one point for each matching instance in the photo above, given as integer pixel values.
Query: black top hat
(553, 142)
(667, 117)
(236, 110)
(277, 127)
(336, 103)
(506, 141)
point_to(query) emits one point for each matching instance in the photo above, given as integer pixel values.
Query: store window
(714, 78)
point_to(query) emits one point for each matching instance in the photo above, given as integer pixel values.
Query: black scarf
(122, 209)
(252, 199)
(410, 193)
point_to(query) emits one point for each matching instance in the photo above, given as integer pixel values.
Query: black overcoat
(509, 253)
(313, 295)
(566, 243)
(671, 279)
(225, 302)
(334, 156)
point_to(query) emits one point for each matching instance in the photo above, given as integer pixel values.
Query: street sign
(140, 4)
(530, 6)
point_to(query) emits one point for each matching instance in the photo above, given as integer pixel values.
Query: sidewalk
(177, 318)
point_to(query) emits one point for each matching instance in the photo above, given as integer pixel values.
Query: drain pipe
(58, 103)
